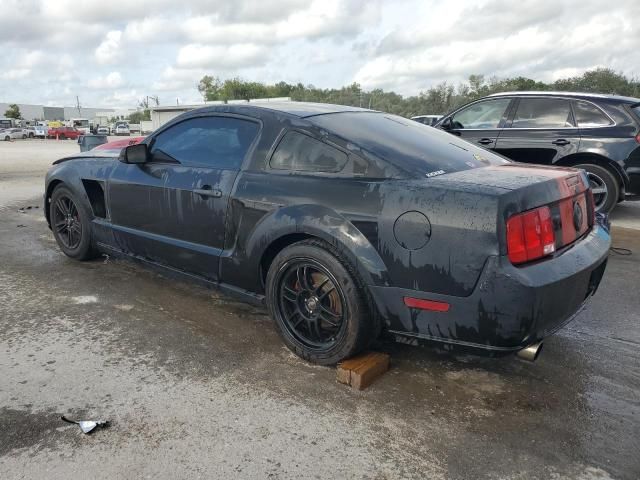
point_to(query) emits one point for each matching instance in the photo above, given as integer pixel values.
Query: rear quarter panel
(360, 215)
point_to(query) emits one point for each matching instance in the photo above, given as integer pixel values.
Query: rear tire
(24, 136)
(71, 224)
(605, 186)
(316, 302)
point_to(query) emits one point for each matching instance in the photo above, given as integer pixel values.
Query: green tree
(437, 99)
(209, 87)
(137, 117)
(13, 112)
(600, 80)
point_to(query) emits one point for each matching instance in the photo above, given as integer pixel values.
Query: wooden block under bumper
(361, 371)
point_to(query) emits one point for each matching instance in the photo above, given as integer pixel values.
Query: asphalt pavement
(196, 384)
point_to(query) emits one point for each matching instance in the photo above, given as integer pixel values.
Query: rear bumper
(510, 307)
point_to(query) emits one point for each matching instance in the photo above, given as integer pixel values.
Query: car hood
(91, 154)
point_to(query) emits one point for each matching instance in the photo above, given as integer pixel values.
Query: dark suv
(598, 133)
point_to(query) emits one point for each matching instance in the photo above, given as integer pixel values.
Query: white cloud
(111, 80)
(110, 48)
(54, 50)
(500, 38)
(221, 57)
(151, 29)
(15, 74)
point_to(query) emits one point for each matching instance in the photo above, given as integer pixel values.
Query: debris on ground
(29, 207)
(87, 426)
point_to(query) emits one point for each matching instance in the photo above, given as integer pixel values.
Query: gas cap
(412, 230)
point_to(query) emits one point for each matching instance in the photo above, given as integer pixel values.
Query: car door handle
(561, 141)
(207, 191)
(485, 141)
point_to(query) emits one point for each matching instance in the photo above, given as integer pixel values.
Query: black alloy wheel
(604, 186)
(66, 222)
(311, 303)
(318, 303)
(71, 224)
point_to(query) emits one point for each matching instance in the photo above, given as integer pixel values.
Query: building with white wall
(31, 113)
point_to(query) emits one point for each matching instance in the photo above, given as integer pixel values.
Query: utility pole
(78, 106)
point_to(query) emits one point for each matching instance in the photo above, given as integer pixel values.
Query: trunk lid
(521, 188)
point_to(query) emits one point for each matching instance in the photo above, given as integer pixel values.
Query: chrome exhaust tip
(530, 353)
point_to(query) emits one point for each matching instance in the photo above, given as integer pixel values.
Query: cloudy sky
(112, 53)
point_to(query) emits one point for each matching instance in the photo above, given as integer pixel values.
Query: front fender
(72, 173)
(297, 221)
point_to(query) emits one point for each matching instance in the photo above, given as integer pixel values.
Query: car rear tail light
(638, 137)
(423, 304)
(530, 235)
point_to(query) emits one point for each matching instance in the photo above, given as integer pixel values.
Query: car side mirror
(446, 124)
(136, 154)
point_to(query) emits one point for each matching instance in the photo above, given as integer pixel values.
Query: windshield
(81, 123)
(407, 144)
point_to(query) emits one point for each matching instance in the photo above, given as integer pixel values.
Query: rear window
(542, 113)
(588, 115)
(636, 109)
(301, 153)
(406, 144)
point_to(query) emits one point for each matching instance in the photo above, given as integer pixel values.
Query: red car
(118, 145)
(64, 132)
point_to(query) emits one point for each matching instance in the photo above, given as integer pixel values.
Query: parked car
(102, 130)
(63, 133)
(29, 131)
(40, 131)
(122, 129)
(13, 133)
(116, 146)
(597, 133)
(427, 119)
(344, 222)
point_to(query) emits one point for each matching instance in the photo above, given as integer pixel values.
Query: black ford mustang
(345, 222)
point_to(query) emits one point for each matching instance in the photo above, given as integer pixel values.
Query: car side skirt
(241, 294)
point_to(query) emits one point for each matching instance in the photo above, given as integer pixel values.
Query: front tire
(604, 185)
(71, 224)
(318, 306)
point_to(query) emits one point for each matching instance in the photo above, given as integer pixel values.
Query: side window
(219, 142)
(588, 115)
(301, 153)
(542, 113)
(485, 114)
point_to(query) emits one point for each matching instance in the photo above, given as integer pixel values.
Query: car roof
(296, 109)
(583, 95)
